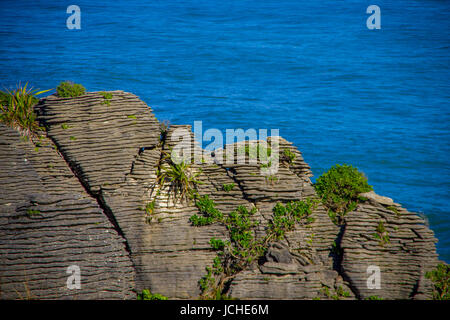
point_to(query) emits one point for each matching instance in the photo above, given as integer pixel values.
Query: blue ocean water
(377, 99)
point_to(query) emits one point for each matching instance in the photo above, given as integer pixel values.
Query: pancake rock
(91, 196)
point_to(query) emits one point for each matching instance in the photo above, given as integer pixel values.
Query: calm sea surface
(377, 99)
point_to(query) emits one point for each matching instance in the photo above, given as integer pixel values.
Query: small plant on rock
(394, 209)
(382, 235)
(288, 156)
(68, 89)
(440, 277)
(181, 179)
(228, 187)
(147, 295)
(32, 212)
(285, 217)
(243, 247)
(107, 96)
(150, 210)
(339, 188)
(16, 110)
(373, 298)
(208, 212)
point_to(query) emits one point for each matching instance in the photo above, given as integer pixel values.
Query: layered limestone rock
(403, 259)
(104, 188)
(99, 137)
(49, 223)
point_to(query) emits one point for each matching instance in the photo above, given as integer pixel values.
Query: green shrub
(16, 110)
(106, 95)
(208, 211)
(207, 207)
(228, 187)
(243, 247)
(440, 277)
(217, 244)
(339, 188)
(199, 221)
(288, 156)
(241, 228)
(147, 295)
(285, 217)
(69, 89)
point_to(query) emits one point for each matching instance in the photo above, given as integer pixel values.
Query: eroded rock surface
(48, 223)
(92, 201)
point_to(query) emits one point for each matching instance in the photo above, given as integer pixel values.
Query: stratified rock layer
(48, 223)
(115, 149)
(100, 137)
(402, 260)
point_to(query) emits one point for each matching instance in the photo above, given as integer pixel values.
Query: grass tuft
(16, 110)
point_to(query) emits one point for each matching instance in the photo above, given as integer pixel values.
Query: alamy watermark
(374, 20)
(374, 278)
(74, 20)
(240, 147)
(74, 280)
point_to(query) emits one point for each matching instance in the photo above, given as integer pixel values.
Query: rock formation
(78, 197)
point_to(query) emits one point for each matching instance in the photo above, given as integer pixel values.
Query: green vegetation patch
(243, 248)
(147, 295)
(180, 177)
(32, 213)
(440, 277)
(208, 212)
(339, 293)
(107, 96)
(394, 209)
(381, 234)
(68, 89)
(16, 110)
(288, 156)
(285, 217)
(339, 190)
(373, 298)
(228, 187)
